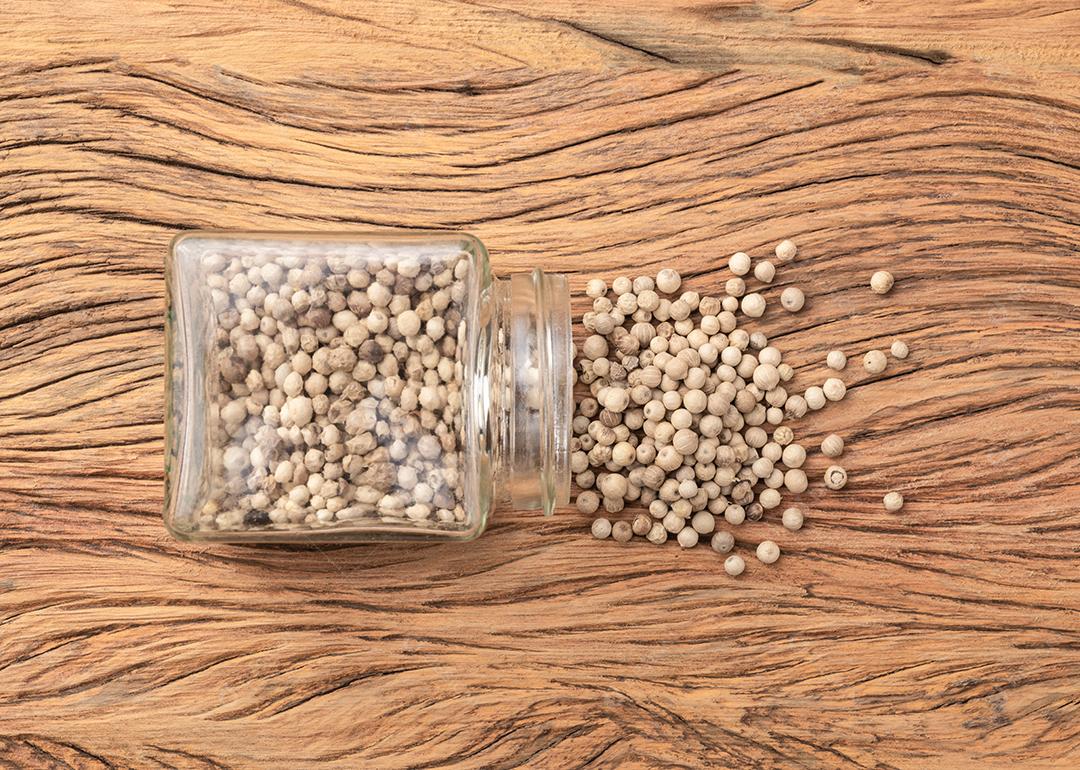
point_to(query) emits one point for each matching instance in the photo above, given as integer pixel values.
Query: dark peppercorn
(256, 519)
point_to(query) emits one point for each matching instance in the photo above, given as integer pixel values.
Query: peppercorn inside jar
(360, 387)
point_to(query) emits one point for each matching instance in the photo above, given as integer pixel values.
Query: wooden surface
(938, 140)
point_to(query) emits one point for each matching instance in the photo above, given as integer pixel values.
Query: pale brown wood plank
(937, 140)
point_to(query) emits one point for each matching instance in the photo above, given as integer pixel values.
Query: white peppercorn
(735, 287)
(795, 481)
(835, 477)
(589, 502)
(836, 360)
(668, 281)
(769, 499)
(673, 522)
(815, 398)
(765, 271)
(770, 355)
(875, 362)
(894, 501)
(832, 445)
(766, 376)
(657, 535)
(734, 514)
(595, 288)
(881, 282)
(792, 299)
(834, 389)
(794, 455)
(734, 565)
(687, 537)
(768, 552)
(722, 542)
(792, 519)
(622, 532)
(703, 522)
(786, 249)
(601, 528)
(899, 349)
(753, 305)
(642, 524)
(739, 263)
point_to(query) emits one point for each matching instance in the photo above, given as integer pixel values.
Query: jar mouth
(534, 384)
(556, 377)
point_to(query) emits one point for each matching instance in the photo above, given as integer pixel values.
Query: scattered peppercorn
(832, 445)
(792, 299)
(739, 263)
(792, 519)
(835, 477)
(722, 542)
(881, 282)
(765, 271)
(875, 362)
(786, 249)
(894, 501)
(622, 532)
(601, 528)
(899, 349)
(768, 552)
(685, 411)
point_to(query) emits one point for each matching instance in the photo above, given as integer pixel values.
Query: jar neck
(532, 390)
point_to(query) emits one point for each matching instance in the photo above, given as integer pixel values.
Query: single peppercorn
(588, 502)
(642, 524)
(668, 281)
(622, 532)
(894, 501)
(881, 282)
(836, 360)
(734, 565)
(834, 389)
(786, 249)
(735, 287)
(835, 477)
(753, 305)
(657, 535)
(739, 263)
(703, 522)
(875, 362)
(765, 271)
(792, 519)
(601, 528)
(768, 552)
(815, 398)
(899, 349)
(722, 542)
(595, 288)
(792, 299)
(687, 537)
(832, 445)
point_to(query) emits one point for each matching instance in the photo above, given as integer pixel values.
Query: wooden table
(940, 141)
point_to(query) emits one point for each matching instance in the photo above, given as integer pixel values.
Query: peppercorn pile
(336, 391)
(687, 412)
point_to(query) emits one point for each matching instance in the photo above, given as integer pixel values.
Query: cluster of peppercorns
(686, 411)
(337, 390)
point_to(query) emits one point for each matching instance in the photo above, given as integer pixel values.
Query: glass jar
(359, 387)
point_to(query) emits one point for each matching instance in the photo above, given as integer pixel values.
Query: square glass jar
(355, 387)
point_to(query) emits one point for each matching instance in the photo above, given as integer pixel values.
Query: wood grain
(938, 140)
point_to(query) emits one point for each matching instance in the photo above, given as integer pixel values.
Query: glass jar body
(359, 387)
